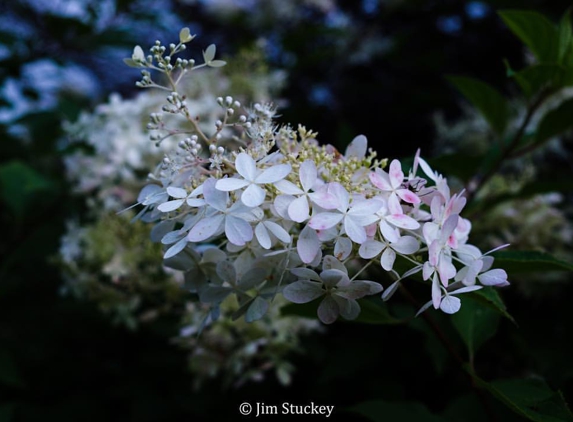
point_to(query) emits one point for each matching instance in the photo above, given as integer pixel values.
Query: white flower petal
(288, 188)
(246, 166)
(354, 230)
(303, 291)
(328, 310)
(308, 245)
(403, 221)
(177, 192)
(387, 259)
(342, 248)
(357, 148)
(308, 175)
(389, 292)
(263, 236)
(170, 205)
(298, 209)
(450, 304)
(230, 184)
(325, 220)
(274, 174)
(324, 199)
(406, 245)
(238, 231)
(206, 228)
(380, 180)
(175, 249)
(466, 290)
(391, 234)
(496, 277)
(370, 249)
(253, 196)
(278, 231)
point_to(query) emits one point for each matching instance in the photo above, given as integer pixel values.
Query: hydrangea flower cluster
(257, 209)
(111, 264)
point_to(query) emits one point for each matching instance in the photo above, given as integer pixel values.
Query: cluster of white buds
(269, 211)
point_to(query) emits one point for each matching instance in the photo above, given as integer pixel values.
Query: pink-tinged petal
(434, 253)
(436, 292)
(446, 270)
(448, 228)
(456, 204)
(370, 249)
(328, 310)
(357, 148)
(206, 228)
(387, 259)
(325, 220)
(298, 209)
(342, 248)
(406, 245)
(176, 192)
(396, 174)
(308, 245)
(389, 233)
(229, 184)
(238, 231)
(394, 204)
(308, 175)
(436, 207)
(403, 221)
(408, 196)
(303, 291)
(450, 304)
(278, 231)
(324, 199)
(496, 277)
(371, 230)
(355, 231)
(170, 205)
(274, 174)
(263, 236)
(380, 180)
(288, 188)
(253, 196)
(246, 166)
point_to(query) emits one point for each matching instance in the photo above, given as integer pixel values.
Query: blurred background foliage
(376, 67)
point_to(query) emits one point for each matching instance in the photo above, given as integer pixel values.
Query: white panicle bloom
(283, 206)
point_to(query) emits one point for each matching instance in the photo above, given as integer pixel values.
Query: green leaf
(534, 78)
(491, 104)
(20, 186)
(475, 323)
(530, 398)
(536, 31)
(305, 310)
(490, 297)
(555, 122)
(7, 412)
(519, 262)
(565, 36)
(375, 311)
(384, 411)
(9, 374)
